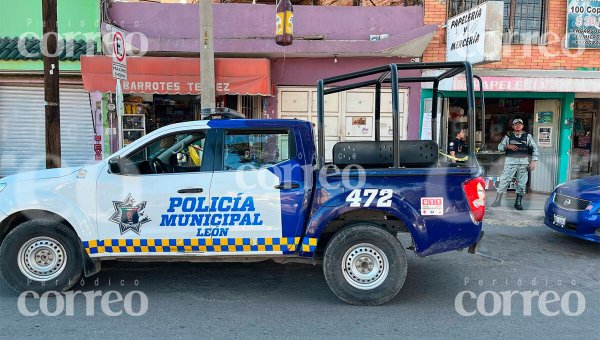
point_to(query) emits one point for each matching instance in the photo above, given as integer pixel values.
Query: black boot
(497, 200)
(518, 205)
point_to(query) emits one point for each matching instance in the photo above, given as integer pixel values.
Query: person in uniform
(519, 147)
(458, 147)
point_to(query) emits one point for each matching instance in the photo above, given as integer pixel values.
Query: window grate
(458, 6)
(524, 20)
(250, 106)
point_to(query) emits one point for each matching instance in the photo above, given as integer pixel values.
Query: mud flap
(91, 266)
(474, 248)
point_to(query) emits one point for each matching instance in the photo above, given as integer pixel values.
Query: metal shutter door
(22, 129)
(76, 129)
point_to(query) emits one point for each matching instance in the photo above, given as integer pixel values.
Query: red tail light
(475, 193)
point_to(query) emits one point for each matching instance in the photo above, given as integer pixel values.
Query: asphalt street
(268, 300)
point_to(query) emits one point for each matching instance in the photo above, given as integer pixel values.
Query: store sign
(173, 75)
(545, 117)
(98, 147)
(583, 24)
(544, 137)
(522, 84)
(169, 87)
(476, 35)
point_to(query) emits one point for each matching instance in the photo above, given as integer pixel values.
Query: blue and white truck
(251, 190)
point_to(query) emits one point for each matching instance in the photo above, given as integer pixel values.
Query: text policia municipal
(217, 214)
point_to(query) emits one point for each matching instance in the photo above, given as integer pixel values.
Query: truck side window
(246, 150)
(174, 153)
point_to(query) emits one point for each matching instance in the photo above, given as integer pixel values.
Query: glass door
(583, 137)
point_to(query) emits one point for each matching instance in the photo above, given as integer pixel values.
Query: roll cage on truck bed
(64, 222)
(388, 74)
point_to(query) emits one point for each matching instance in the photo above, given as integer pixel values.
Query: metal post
(442, 128)
(207, 57)
(51, 84)
(471, 109)
(435, 136)
(482, 97)
(321, 123)
(395, 115)
(378, 112)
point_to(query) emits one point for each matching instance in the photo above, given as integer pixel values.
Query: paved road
(293, 301)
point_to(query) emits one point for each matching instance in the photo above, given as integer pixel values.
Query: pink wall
(306, 72)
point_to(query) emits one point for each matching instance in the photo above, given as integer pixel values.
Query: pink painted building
(327, 41)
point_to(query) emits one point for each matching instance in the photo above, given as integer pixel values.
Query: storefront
(165, 90)
(323, 46)
(546, 103)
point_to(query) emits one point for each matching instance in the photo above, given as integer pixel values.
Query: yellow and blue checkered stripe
(309, 244)
(286, 245)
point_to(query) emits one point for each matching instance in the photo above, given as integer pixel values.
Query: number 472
(383, 196)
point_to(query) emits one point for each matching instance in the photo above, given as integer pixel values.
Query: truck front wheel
(365, 265)
(41, 255)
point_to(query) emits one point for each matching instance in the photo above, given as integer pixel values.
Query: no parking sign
(119, 52)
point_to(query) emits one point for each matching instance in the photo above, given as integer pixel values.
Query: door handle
(191, 191)
(287, 186)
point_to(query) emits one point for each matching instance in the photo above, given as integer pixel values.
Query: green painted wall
(564, 143)
(566, 126)
(77, 19)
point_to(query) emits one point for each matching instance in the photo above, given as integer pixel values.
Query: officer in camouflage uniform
(518, 146)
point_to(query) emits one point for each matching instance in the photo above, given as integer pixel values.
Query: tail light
(475, 193)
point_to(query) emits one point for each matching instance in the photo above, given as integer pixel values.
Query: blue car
(574, 209)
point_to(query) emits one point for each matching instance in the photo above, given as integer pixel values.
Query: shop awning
(174, 75)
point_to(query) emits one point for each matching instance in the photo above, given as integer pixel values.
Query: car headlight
(2, 186)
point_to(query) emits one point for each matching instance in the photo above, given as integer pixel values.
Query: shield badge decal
(129, 215)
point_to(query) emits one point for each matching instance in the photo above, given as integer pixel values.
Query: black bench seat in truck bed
(371, 154)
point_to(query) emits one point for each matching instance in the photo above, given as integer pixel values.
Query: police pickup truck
(252, 190)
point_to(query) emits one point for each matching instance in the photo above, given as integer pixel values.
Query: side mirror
(114, 165)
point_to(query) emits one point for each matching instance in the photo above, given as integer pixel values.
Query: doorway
(584, 152)
(541, 118)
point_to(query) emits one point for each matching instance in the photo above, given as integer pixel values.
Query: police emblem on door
(129, 215)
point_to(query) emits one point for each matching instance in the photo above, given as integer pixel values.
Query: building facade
(253, 74)
(22, 120)
(552, 87)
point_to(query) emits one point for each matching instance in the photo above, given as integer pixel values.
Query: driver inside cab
(192, 155)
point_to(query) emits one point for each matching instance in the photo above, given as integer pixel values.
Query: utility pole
(207, 57)
(51, 83)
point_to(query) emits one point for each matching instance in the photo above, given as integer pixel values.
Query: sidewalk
(506, 214)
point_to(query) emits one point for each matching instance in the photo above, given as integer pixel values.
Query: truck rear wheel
(41, 255)
(365, 265)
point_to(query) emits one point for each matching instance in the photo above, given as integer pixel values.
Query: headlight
(2, 186)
